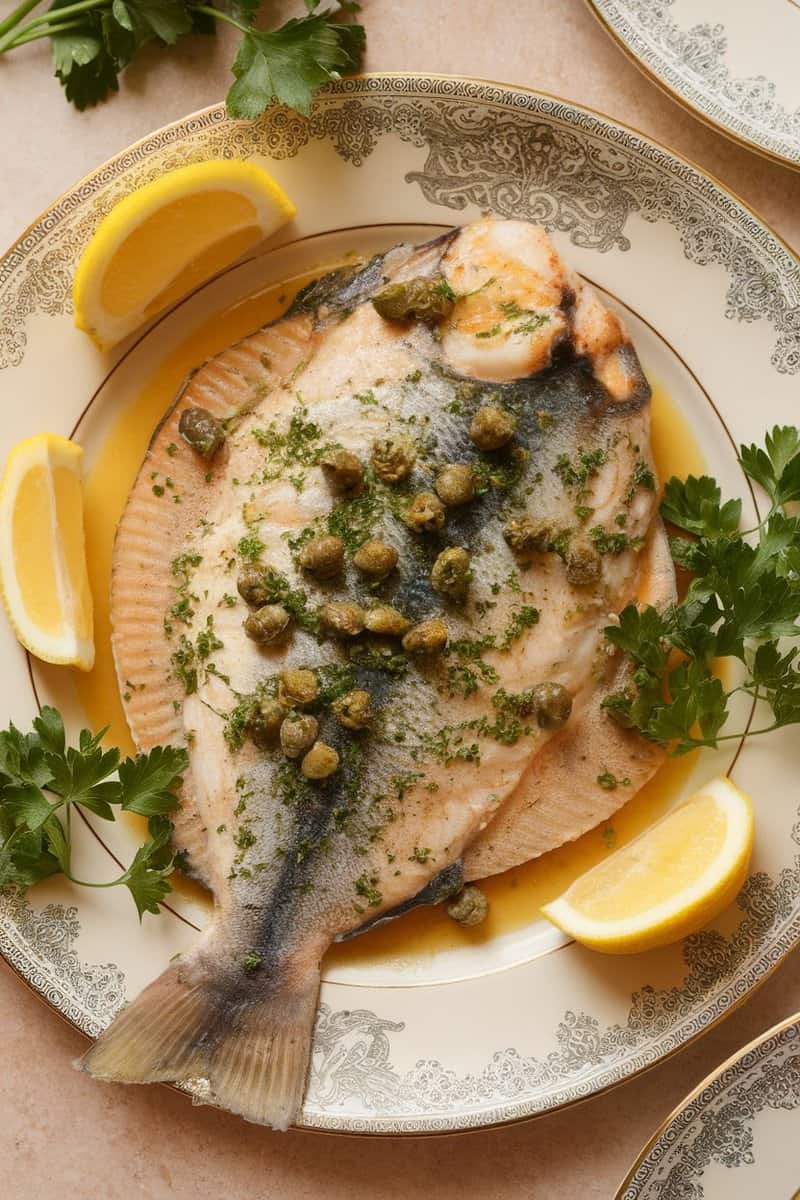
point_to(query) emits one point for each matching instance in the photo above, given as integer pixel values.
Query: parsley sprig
(743, 603)
(93, 41)
(42, 780)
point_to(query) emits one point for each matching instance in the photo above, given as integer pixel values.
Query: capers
(385, 620)
(323, 556)
(428, 637)
(491, 428)
(265, 724)
(344, 469)
(583, 566)
(418, 299)
(526, 536)
(552, 704)
(342, 617)
(376, 559)
(252, 586)
(297, 687)
(450, 573)
(392, 458)
(354, 710)
(297, 733)
(202, 431)
(425, 514)
(455, 484)
(267, 624)
(468, 907)
(320, 762)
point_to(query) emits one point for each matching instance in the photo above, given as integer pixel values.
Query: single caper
(491, 428)
(320, 762)
(425, 514)
(583, 566)
(455, 484)
(297, 733)
(342, 617)
(344, 469)
(450, 573)
(354, 709)
(469, 906)
(385, 620)
(202, 431)
(267, 624)
(428, 637)
(392, 458)
(265, 724)
(421, 299)
(297, 686)
(323, 556)
(526, 536)
(376, 559)
(252, 585)
(552, 704)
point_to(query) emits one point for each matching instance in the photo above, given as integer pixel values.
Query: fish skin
(294, 865)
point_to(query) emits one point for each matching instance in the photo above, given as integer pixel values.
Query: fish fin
(251, 1041)
(441, 887)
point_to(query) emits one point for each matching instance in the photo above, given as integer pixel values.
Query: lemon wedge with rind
(43, 573)
(168, 237)
(669, 882)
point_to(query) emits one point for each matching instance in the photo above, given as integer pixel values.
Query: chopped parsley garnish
(366, 887)
(610, 782)
(252, 962)
(250, 547)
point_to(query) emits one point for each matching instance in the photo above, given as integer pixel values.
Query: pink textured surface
(62, 1135)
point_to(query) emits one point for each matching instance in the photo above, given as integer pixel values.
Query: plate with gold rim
(733, 1135)
(424, 1027)
(732, 65)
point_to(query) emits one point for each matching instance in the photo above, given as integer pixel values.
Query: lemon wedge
(43, 575)
(668, 882)
(167, 238)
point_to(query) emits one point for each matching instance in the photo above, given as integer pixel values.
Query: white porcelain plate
(735, 1135)
(484, 1029)
(730, 62)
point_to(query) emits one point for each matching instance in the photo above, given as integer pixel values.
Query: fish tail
(251, 1040)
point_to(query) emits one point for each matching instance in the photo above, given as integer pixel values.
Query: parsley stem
(732, 737)
(23, 38)
(219, 16)
(69, 10)
(87, 883)
(16, 16)
(52, 20)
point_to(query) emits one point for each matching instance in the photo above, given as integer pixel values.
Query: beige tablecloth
(61, 1134)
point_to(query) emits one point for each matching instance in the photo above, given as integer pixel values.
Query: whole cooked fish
(363, 575)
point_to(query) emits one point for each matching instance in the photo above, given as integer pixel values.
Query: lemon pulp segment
(165, 239)
(43, 571)
(669, 881)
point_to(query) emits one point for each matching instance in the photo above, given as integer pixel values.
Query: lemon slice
(668, 882)
(43, 575)
(167, 238)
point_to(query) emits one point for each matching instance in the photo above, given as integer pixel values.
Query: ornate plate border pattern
(563, 166)
(715, 1124)
(575, 172)
(690, 65)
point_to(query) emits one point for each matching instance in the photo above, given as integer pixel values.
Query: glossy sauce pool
(515, 896)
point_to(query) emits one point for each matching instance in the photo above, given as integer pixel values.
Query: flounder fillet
(454, 776)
